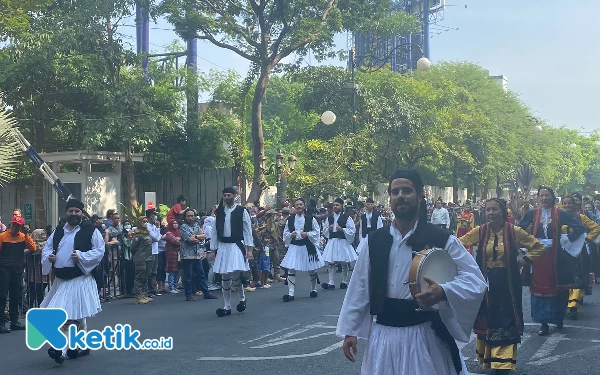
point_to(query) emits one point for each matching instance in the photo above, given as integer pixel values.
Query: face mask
(127, 227)
(74, 220)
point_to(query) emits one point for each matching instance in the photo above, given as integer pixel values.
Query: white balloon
(328, 117)
(573, 145)
(423, 64)
(538, 128)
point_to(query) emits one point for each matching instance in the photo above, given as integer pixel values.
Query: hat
(74, 203)
(339, 200)
(409, 174)
(370, 200)
(229, 190)
(18, 220)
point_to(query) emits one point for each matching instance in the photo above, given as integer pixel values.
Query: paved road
(273, 337)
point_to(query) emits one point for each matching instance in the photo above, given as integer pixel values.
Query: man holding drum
(408, 324)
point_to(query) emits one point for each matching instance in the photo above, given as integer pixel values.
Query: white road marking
(549, 345)
(299, 331)
(544, 361)
(267, 335)
(461, 345)
(292, 340)
(524, 338)
(321, 352)
(333, 316)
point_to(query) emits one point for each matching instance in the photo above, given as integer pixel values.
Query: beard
(74, 220)
(408, 213)
(229, 202)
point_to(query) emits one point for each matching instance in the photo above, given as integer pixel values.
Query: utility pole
(426, 29)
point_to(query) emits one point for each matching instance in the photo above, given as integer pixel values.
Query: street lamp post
(281, 172)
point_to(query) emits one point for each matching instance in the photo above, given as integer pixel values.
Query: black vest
(341, 222)
(363, 223)
(82, 242)
(299, 241)
(380, 245)
(402, 313)
(237, 225)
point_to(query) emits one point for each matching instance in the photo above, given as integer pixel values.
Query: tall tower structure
(400, 52)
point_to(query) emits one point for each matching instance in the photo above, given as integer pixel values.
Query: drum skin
(435, 264)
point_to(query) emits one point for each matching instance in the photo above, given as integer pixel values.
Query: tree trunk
(498, 187)
(258, 141)
(129, 175)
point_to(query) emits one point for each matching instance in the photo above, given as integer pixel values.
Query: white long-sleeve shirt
(299, 221)
(440, 216)
(88, 260)
(463, 294)
(247, 227)
(369, 215)
(155, 235)
(349, 231)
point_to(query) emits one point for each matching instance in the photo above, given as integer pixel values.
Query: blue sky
(547, 49)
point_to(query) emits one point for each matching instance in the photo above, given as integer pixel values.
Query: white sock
(331, 270)
(313, 279)
(345, 273)
(226, 287)
(291, 282)
(238, 285)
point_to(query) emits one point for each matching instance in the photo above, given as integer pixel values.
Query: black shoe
(222, 312)
(3, 329)
(210, 296)
(53, 353)
(544, 329)
(16, 326)
(343, 286)
(314, 294)
(572, 313)
(325, 286)
(241, 306)
(85, 352)
(72, 354)
(288, 298)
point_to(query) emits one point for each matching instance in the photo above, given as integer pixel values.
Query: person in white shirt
(231, 244)
(440, 216)
(154, 230)
(339, 228)
(72, 252)
(301, 235)
(404, 339)
(370, 220)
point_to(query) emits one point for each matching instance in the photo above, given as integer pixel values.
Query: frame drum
(435, 264)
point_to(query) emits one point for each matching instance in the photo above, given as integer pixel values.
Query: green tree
(16, 16)
(266, 32)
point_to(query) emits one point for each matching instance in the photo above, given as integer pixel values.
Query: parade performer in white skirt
(301, 236)
(339, 229)
(404, 339)
(73, 251)
(370, 220)
(232, 241)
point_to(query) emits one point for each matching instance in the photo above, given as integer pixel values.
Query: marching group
(553, 251)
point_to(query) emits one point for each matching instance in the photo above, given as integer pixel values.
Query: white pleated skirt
(412, 350)
(230, 259)
(297, 259)
(78, 297)
(339, 250)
